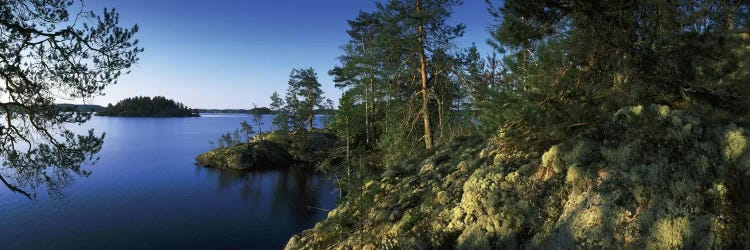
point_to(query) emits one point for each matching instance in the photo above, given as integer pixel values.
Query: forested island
(144, 106)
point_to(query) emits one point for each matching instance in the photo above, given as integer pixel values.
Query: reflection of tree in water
(292, 193)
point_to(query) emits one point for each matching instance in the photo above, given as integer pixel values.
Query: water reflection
(295, 192)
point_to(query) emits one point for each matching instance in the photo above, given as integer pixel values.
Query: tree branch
(14, 188)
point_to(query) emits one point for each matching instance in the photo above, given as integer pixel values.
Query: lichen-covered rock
(652, 177)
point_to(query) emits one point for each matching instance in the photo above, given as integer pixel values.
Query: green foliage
(280, 121)
(78, 107)
(257, 117)
(228, 140)
(303, 97)
(140, 106)
(571, 64)
(382, 111)
(247, 129)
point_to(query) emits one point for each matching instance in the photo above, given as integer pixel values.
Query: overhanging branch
(14, 188)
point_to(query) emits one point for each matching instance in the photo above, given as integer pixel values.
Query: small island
(271, 150)
(141, 106)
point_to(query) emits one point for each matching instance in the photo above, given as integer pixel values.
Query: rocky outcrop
(271, 150)
(652, 178)
(247, 156)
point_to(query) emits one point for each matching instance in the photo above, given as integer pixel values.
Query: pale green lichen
(735, 143)
(652, 177)
(664, 111)
(551, 160)
(637, 110)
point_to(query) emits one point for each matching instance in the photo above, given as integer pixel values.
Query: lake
(147, 192)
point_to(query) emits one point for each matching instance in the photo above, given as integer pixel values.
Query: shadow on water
(294, 192)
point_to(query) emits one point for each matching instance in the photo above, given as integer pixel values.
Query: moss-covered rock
(652, 177)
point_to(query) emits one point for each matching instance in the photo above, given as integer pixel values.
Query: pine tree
(281, 120)
(359, 66)
(258, 118)
(304, 95)
(247, 129)
(418, 30)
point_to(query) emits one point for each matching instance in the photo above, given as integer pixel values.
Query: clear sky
(231, 53)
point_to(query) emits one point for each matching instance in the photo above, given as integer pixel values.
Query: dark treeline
(79, 107)
(141, 106)
(259, 110)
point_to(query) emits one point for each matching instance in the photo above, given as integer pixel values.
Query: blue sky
(231, 53)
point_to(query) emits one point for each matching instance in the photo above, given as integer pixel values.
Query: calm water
(146, 192)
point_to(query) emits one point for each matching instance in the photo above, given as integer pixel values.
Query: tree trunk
(367, 105)
(310, 103)
(372, 88)
(423, 71)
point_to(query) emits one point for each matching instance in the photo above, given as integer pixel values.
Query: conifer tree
(258, 118)
(281, 120)
(304, 95)
(421, 27)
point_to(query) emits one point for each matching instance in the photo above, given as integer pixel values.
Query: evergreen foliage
(302, 99)
(401, 76)
(148, 107)
(257, 117)
(281, 120)
(575, 62)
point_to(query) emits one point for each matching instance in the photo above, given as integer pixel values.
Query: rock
(246, 156)
(271, 150)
